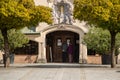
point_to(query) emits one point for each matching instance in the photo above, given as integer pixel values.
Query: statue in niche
(55, 14)
(62, 11)
(67, 12)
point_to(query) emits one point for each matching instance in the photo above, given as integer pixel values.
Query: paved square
(59, 72)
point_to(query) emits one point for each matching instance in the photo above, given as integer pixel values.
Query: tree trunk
(6, 48)
(113, 60)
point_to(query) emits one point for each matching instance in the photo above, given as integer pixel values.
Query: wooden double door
(54, 45)
(59, 38)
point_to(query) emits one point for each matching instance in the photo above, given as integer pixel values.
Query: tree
(117, 47)
(16, 14)
(101, 13)
(15, 38)
(98, 40)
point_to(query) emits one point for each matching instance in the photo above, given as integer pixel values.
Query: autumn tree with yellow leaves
(16, 14)
(100, 13)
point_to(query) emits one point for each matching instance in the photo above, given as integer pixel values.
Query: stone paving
(57, 71)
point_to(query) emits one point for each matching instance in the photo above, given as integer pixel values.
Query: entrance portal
(54, 43)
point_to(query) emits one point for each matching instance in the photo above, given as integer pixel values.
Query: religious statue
(67, 11)
(55, 14)
(62, 11)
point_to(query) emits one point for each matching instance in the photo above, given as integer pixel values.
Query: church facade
(49, 38)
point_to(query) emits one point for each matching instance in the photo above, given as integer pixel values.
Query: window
(32, 29)
(59, 42)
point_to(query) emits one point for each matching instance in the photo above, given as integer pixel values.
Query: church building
(46, 40)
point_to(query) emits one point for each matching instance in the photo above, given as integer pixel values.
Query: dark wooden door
(57, 48)
(59, 38)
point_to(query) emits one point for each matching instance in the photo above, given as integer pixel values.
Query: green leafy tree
(15, 38)
(16, 14)
(101, 13)
(117, 47)
(98, 40)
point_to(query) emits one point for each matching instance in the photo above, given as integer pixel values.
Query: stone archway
(54, 41)
(62, 27)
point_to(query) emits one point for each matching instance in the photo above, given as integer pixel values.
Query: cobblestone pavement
(58, 72)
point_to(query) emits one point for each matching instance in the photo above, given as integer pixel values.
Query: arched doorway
(54, 42)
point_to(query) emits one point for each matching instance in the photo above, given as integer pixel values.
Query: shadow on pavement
(65, 66)
(62, 65)
(57, 65)
(118, 71)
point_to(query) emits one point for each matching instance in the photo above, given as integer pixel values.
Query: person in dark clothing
(64, 52)
(70, 52)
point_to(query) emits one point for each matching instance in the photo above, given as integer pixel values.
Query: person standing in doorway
(70, 52)
(64, 51)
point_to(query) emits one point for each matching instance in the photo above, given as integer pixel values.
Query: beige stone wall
(1, 55)
(41, 2)
(25, 58)
(118, 59)
(94, 60)
(32, 59)
(83, 54)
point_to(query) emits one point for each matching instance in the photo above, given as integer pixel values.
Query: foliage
(40, 14)
(100, 13)
(118, 44)
(37, 13)
(1, 42)
(21, 13)
(98, 40)
(12, 14)
(16, 14)
(16, 39)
